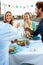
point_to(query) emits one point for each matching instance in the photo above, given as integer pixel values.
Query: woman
(28, 23)
(8, 18)
(7, 34)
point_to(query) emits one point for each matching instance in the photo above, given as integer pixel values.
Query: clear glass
(27, 42)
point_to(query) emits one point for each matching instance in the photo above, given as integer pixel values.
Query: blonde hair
(4, 19)
(30, 16)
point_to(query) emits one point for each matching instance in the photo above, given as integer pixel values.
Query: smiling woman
(8, 18)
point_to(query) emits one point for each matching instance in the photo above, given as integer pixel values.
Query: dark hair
(39, 5)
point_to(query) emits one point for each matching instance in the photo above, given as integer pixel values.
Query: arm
(18, 25)
(34, 32)
(7, 32)
(37, 31)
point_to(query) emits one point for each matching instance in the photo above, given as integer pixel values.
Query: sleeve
(37, 31)
(8, 32)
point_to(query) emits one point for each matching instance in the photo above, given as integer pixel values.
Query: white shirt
(7, 33)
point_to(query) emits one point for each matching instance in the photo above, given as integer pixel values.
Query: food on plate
(21, 42)
(14, 41)
(12, 49)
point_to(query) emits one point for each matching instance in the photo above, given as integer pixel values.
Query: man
(39, 13)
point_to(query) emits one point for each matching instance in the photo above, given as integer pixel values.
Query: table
(33, 54)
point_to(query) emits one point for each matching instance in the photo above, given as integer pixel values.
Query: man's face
(38, 11)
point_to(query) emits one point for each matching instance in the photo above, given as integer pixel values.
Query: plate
(21, 42)
(12, 49)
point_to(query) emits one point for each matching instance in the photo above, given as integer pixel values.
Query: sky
(18, 7)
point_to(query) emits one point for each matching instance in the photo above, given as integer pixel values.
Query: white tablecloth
(33, 54)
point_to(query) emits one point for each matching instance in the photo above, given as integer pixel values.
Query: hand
(18, 25)
(13, 41)
(28, 29)
(27, 33)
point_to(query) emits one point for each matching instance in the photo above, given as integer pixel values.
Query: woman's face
(26, 17)
(8, 17)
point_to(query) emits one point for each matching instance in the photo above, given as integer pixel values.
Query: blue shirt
(39, 29)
